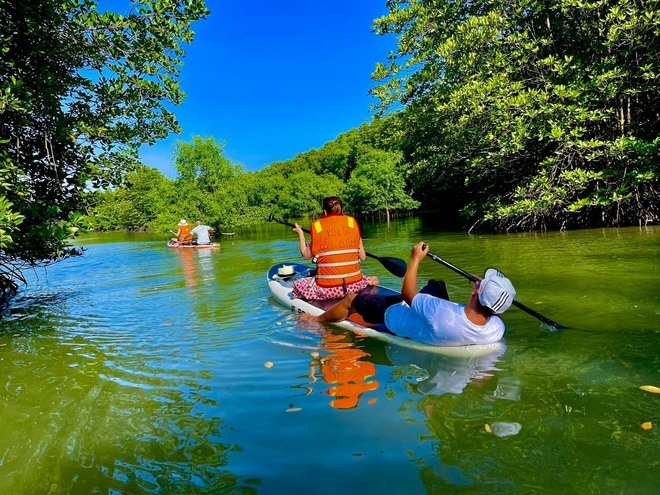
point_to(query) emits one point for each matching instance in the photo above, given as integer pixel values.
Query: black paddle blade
(396, 266)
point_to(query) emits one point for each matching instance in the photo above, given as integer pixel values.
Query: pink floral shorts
(306, 288)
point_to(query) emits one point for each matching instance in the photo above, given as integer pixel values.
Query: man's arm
(409, 285)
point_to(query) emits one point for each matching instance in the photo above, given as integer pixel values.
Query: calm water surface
(140, 369)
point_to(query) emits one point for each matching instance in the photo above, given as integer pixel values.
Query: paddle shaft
(520, 305)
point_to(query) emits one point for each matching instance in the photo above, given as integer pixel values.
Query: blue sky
(273, 78)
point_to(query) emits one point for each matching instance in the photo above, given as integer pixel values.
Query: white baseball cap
(496, 292)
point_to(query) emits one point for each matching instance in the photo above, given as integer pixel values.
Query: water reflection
(110, 425)
(196, 265)
(118, 378)
(437, 374)
(350, 369)
(188, 266)
(346, 368)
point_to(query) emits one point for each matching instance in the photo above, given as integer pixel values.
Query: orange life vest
(185, 237)
(336, 247)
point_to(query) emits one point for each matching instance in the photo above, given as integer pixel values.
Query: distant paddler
(183, 234)
(201, 234)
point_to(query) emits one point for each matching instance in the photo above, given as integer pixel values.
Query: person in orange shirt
(336, 248)
(183, 235)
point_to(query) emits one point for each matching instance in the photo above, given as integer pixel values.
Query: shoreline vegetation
(379, 185)
(504, 117)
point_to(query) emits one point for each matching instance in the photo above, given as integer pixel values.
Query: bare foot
(374, 281)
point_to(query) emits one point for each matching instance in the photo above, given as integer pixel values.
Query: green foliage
(513, 115)
(138, 204)
(304, 192)
(211, 188)
(203, 163)
(377, 184)
(80, 91)
(222, 194)
(529, 114)
(10, 219)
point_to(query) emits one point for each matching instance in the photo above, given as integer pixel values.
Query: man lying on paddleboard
(427, 317)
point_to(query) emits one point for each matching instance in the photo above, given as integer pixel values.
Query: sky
(272, 79)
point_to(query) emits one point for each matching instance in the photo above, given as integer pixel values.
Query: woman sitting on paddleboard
(183, 234)
(336, 248)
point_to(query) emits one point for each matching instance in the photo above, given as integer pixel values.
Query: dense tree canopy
(224, 195)
(378, 185)
(80, 91)
(529, 114)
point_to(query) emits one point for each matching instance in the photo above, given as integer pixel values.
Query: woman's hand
(298, 229)
(305, 252)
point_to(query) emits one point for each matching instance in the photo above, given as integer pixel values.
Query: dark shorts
(372, 306)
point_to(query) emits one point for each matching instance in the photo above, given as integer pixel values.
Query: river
(141, 369)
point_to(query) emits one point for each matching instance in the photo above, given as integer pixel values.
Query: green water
(140, 369)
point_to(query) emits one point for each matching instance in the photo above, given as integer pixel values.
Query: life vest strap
(341, 251)
(338, 263)
(343, 275)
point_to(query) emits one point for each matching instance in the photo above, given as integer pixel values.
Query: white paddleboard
(281, 287)
(174, 245)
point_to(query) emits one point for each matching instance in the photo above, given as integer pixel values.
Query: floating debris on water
(508, 388)
(268, 364)
(505, 429)
(650, 388)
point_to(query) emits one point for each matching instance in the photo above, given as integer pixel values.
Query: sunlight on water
(141, 369)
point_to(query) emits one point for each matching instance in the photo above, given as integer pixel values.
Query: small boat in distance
(176, 245)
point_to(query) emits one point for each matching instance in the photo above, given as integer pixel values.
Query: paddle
(520, 305)
(396, 266)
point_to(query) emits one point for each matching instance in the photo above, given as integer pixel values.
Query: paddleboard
(174, 245)
(281, 287)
